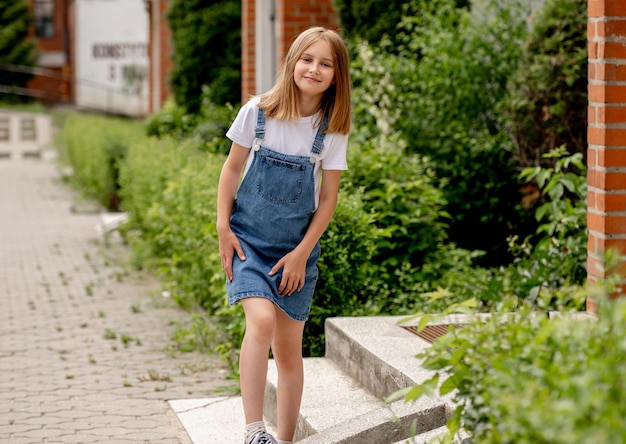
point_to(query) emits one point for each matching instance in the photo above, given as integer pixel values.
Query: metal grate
(431, 332)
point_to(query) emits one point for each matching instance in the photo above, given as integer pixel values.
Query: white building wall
(112, 56)
(266, 59)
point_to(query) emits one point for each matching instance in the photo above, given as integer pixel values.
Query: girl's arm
(294, 263)
(226, 192)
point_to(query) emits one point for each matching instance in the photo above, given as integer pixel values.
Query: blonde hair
(281, 102)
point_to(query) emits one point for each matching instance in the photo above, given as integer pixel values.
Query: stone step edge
(336, 406)
(397, 422)
(377, 352)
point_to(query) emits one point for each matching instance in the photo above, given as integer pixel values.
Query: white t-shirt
(291, 137)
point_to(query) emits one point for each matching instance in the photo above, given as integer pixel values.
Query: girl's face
(315, 71)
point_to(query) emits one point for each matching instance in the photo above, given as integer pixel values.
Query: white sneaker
(263, 438)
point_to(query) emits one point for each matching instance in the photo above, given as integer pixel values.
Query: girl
(292, 142)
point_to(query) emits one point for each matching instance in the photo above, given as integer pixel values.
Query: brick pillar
(166, 49)
(159, 53)
(606, 176)
(248, 69)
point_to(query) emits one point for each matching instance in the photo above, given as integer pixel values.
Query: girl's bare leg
(287, 350)
(260, 327)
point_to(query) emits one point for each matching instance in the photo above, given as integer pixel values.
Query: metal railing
(60, 96)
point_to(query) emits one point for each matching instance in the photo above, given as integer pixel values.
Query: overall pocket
(279, 181)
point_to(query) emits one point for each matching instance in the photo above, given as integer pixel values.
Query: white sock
(252, 429)
(284, 442)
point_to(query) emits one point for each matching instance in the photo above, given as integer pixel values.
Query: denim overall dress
(271, 214)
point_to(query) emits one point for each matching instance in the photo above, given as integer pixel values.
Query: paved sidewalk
(82, 342)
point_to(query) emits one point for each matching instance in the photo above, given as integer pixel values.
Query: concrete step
(377, 352)
(367, 359)
(425, 438)
(330, 397)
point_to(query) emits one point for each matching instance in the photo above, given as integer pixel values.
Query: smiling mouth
(311, 79)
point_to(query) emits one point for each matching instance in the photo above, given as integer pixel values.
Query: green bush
(553, 258)
(402, 190)
(206, 36)
(547, 102)
(405, 199)
(171, 120)
(208, 125)
(169, 190)
(440, 88)
(374, 20)
(95, 147)
(557, 253)
(525, 378)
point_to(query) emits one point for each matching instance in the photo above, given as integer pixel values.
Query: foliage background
(449, 198)
(431, 202)
(206, 36)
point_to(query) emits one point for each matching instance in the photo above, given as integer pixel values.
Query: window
(5, 129)
(28, 129)
(44, 18)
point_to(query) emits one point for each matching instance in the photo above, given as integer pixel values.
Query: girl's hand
(294, 272)
(229, 245)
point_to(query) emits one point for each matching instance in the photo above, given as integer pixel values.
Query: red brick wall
(54, 87)
(164, 64)
(606, 177)
(166, 52)
(296, 16)
(293, 16)
(248, 69)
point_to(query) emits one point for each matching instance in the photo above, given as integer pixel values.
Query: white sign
(112, 56)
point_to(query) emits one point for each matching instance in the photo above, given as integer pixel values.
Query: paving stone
(63, 293)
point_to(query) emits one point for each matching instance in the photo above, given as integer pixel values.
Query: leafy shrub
(208, 125)
(440, 88)
(95, 146)
(171, 120)
(547, 100)
(370, 20)
(169, 191)
(374, 20)
(206, 37)
(527, 378)
(510, 372)
(559, 250)
(553, 258)
(401, 189)
(408, 229)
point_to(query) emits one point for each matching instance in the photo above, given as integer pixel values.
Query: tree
(371, 20)
(15, 47)
(206, 36)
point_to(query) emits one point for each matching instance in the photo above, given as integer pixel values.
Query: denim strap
(259, 131)
(318, 143)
